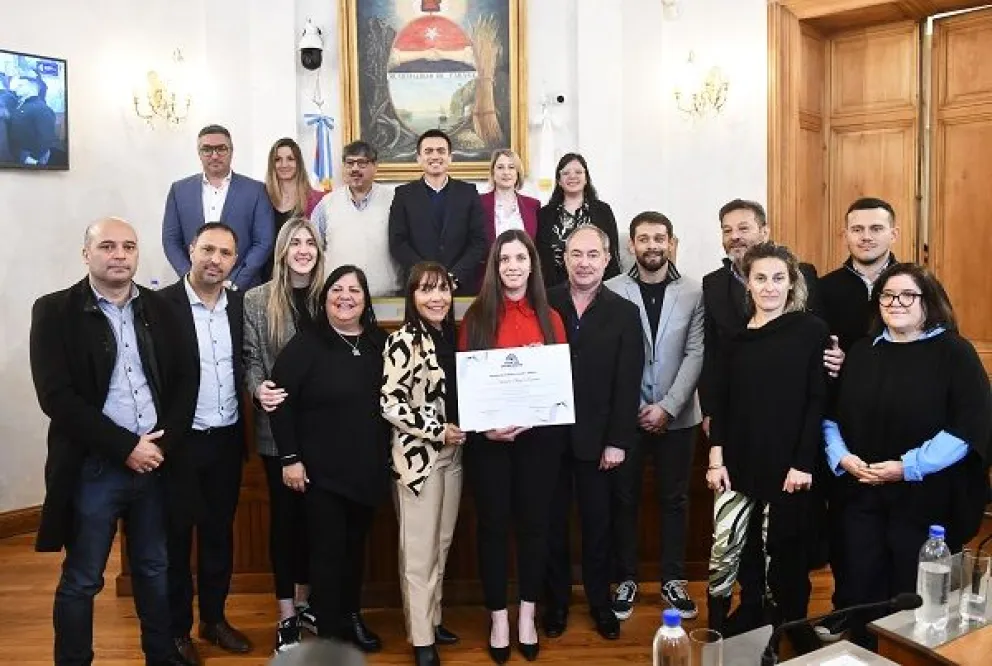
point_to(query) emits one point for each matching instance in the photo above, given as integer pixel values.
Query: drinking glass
(705, 648)
(975, 575)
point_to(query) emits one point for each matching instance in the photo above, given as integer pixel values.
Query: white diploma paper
(518, 386)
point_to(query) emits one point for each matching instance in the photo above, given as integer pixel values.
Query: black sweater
(769, 402)
(895, 396)
(330, 420)
(846, 305)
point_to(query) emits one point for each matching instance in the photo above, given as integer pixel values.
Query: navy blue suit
(247, 210)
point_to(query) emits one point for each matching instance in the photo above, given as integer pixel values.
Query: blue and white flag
(322, 164)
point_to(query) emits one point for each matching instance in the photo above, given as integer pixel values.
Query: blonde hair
(506, 152)
(302, 178)
(280, 305)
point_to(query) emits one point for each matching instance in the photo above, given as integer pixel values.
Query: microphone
(900, 602)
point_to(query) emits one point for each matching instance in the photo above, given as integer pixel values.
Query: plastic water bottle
(671, 644)
(933, 581)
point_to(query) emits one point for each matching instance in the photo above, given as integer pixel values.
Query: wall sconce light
(164, 96)
(699, 94)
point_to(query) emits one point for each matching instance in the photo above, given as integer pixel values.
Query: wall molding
(20, 521)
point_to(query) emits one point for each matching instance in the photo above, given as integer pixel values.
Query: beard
(652, 262)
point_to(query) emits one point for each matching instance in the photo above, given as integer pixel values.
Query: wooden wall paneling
(874, 114)
(20, 521)
(961, 170)
(796, 149)
(917, 9)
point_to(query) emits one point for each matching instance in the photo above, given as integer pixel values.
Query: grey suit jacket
(674, 359)
(259, 357)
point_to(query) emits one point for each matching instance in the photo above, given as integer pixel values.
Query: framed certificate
(518, 386)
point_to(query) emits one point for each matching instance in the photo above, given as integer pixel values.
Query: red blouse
(519, 327)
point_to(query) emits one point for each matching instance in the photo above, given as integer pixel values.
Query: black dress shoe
(555, 620)
(607, 623)
(499, 655)
(225, 637)
(358, 634)
(187, 651)
(444, 636)
(426, 656)
(529, 651)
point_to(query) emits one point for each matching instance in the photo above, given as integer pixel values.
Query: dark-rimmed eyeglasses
(904, 298)
(221, 150)
(360, 162)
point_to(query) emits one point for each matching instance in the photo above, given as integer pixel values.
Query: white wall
(614, 63)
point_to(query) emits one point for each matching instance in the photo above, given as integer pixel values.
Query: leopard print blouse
(412, 400)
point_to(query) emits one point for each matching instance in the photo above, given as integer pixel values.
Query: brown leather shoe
(225, 637)
(186, 650)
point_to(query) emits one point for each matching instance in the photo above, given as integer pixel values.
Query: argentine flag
(322, 158)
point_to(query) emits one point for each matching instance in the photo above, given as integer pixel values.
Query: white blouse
(507, 216)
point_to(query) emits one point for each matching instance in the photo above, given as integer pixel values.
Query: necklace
(354, 347)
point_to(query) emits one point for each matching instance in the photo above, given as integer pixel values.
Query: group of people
(848, 405)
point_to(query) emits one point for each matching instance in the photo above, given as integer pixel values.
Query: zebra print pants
(731, 515)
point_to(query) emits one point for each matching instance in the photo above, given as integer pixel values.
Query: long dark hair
(483, 316)
(937, 309)
(558, 194)
(433, 273)
(370, 326)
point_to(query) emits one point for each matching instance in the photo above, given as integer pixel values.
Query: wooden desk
(252, 571)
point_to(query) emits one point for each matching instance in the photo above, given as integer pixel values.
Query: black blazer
(726, 315)
(459, 243)
(184, 500)
(600, 214)
(73, 351)
(607, 362)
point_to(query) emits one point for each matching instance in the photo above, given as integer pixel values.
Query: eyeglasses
(904, 298)
(360, 163)
(221, 150)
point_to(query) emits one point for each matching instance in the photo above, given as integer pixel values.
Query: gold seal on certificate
(518, 386)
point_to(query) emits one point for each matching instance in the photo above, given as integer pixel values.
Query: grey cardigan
(259, 358)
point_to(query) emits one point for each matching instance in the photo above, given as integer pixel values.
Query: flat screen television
(34, 123)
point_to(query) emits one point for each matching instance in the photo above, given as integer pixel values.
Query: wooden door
(961, 171)
(874, 120)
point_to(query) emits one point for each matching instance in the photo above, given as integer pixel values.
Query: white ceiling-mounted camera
(311, 47)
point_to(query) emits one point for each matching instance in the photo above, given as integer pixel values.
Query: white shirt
(507, 216)
(217, 400)
(214, 198)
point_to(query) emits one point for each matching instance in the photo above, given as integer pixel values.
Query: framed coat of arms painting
(456, 65)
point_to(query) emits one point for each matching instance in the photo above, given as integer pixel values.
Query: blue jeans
(108, 491)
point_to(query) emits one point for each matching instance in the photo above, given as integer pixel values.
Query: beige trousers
(427, 523)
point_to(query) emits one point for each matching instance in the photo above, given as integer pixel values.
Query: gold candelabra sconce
(700, 93)
(164, 95)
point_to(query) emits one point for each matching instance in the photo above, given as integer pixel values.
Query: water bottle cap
(671, 617)
(936, 531)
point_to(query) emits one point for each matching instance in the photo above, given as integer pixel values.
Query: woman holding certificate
(511, 468)
(418, 399)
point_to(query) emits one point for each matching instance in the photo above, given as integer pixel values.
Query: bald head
(110, 249)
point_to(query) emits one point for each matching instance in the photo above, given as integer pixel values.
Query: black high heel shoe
(499, 655)
(529, 651)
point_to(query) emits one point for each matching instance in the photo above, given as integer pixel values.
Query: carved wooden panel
(875, 70)
(877, 162)
(961, 171)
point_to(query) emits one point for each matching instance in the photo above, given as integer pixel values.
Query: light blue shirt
(936, 454)
(217, 401)
(129, 401)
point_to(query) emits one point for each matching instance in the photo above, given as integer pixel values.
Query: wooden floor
(27, 582)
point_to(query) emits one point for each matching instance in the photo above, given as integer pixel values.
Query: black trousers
(592, 488)
(882, 548)
(513, 484)
(338, 529)
(835, 535)
(672, 453)
(217, 456)
(751, 575)
(289, 551)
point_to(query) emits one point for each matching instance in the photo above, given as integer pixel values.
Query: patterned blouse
(564, 224)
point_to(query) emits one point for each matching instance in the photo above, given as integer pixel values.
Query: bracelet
(715, 466)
